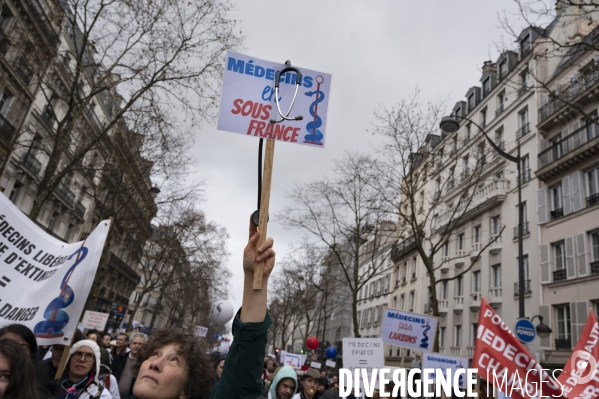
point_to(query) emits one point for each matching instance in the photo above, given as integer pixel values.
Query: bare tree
(343, 213)
(417, 178)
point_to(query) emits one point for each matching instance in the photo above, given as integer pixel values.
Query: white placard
(201, 331)
(44, 282)
(224, 346)
(408, 330)
(292, 359)
(94, 320)
(363, 353)
(331, 363)
(248, 101)
(316, 365)
(436, 361)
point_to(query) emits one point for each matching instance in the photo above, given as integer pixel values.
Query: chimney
(489, 66)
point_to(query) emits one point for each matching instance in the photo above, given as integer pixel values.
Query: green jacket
(241, 378)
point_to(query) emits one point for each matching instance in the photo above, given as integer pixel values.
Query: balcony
(559, 275)
(495, 295)
(7, 131)
(475, 298)
(23, 71)
(402, 247)
(499, 110)
(593, 199)
(475, 247)
(470, 351)
(571, 93)
(525, 231)
(80, 209)
(523, 131)
(443, 306)
(455, 350)
(32, 164)
(557, 213)
(526, 176)
(579, 146)
(527, 289)
(64, 193)
(563, 343)
(486, 197)
(43, 22)
(458, 301)
(595, 267)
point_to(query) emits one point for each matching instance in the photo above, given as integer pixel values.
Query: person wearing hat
(80, 377)
(283, 386)
(310, 383)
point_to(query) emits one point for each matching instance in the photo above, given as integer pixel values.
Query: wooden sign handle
(264, 203)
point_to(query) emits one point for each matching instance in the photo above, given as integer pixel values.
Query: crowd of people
(286, 382)
(169, 364)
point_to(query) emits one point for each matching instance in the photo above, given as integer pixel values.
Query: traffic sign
(525, 330)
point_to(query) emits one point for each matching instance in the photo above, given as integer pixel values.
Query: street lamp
(543, 330)
(450, 124)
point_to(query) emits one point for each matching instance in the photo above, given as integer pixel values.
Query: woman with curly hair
(16, 372)
(172, 364)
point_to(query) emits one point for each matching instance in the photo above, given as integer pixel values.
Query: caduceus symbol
(315, 136)
(424, 341)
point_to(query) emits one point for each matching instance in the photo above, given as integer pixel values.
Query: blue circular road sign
(525, 330)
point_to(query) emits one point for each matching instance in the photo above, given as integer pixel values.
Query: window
(525, 168)
(595, 245)
(402, 302)
(503, 69)
(478, 234)
(471, 102)
(523, 118)
(483, 117)
(53, 220)
(563, 322)
(459, 286)
(404, 272)
(499, 138)
(495, 225)
(556, 144)
(14, 193)
(457, 336)
(523, 77)
(444, 290)
(468, 133)
(394, 302)
(461, 242)
(558, 256)
(473, 334)
(526, 270)
(476, 281)
(496, 276)
(525, 46)
(412, 301)
(358, 317)
(377, 316)
(486, 87)
(414, 265)
(70, 231)
(593, 187)
(556, 197)
(6, 100)
(446, 249)
(441, 337)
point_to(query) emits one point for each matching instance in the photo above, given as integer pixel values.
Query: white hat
(94, 347)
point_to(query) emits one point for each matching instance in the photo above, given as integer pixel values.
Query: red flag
(579, 377)
(503, 360)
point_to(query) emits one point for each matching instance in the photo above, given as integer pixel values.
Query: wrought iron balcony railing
(524, 230)
(593, 199)
(526, 176)
(523, 131)
(568, 144)
(527, 289)
(559, 275)
(557, 213)
(32, 163)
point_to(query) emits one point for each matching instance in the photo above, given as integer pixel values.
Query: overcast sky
(377, 52)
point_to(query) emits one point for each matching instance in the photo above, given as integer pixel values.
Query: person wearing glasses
(80, 378)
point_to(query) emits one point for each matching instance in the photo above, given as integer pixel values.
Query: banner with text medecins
(579, 377)
(408, 330)
(44, 282)
(248, 101)
(503, 360)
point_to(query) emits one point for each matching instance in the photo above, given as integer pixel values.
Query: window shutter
(570, 263)
(577, 195)
(545, 313)
(542, 206)
(545, 265)
(583, 268)
(578, 318)
(566, 200)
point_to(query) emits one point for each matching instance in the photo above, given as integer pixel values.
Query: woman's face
(93, 337)
(81, 363)
(219, 369)
(4, 374)
(163, 375)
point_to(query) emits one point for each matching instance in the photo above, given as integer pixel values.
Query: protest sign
(364, 353)
(224, 346)
(44, 282)
(248, 101)
(201, 331)
(316, 365)
(409, 330)
(579, 377)
(291, 359)
(94, 320)
(331, 363)
(436, 361)
(503, 360)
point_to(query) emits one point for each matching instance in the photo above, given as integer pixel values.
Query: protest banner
(364, 353)
(44, 282)
(504, 362)
(201, 331)
(94, 320)
(409, 330)
(291, 359)
(248, 101)
(579, 377)
(436, 361)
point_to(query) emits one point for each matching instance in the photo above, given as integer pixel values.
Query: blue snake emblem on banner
(314, 135)
(424, 341)
(57, 319)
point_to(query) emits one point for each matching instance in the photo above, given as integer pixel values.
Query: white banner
(291, 359)
(316, 365)
(436, 361)
(331, 363)
(94, 320)
(248, 101)
(408, 330)
(44, 282)
(201, 331)
(364, 353)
